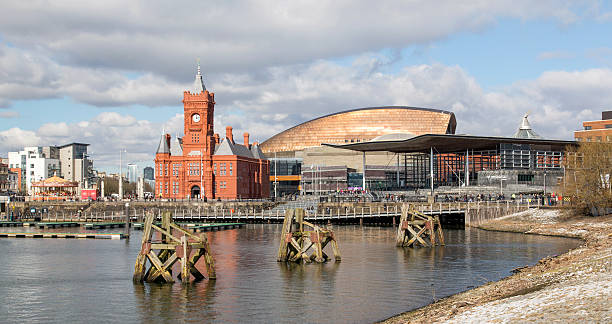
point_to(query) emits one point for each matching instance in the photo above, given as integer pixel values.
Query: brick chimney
(216, 136)
(246, 139)
(228, 134)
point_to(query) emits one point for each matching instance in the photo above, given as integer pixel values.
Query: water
(57, 281)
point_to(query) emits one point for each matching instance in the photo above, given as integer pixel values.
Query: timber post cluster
(418, 228)
(299, 236)
(164, 246)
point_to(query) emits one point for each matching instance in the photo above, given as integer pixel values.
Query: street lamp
(121, 174)
(275, 179)
(83, 170)
(201, 174)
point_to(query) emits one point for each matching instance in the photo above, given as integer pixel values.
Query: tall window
(231, 169)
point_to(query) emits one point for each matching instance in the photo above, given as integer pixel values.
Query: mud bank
(570, 287)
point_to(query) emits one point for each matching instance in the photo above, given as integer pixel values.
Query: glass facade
(285, 176)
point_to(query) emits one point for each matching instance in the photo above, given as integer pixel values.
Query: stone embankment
(74, 207)
(570, 288)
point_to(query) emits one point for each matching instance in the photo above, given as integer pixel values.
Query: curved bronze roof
(362, 124)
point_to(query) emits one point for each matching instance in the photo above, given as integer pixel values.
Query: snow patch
(585, 297)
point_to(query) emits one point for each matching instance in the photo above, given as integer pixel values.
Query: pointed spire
(525, 123)
(175, 148)
(525, 130)
(198, 84)
(163, 145)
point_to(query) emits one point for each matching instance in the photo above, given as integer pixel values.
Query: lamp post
(83, 177)
(501, 185)
(127, 220)
(275, 179)
(201, 174)
(121, 174)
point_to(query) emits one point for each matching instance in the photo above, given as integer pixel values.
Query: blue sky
(114, 78)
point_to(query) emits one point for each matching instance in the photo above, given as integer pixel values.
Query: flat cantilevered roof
(447, 143)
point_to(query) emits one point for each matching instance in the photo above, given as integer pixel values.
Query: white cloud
(107, 133)
(557, 101)
(270, 65)
(15, 139)
(161, 37)
(87, 56)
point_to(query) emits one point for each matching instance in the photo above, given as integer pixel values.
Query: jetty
(103, 225)
(57, 224)
(107, 236)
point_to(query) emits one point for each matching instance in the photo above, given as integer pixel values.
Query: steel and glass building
(301, 145)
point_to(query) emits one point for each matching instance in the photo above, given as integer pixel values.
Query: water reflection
(87, 280)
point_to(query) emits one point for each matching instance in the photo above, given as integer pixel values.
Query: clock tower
(199, 107)
(198, 142)
(200, 165)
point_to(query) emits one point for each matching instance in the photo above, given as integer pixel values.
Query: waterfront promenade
(383, 213)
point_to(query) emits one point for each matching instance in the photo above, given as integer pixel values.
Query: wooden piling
(417, 228)
(176, 244)
(299, 236)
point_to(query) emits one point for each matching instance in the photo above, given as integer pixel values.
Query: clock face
(195, 118)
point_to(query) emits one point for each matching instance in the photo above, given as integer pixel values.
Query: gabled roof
(163, 145)
(176, 149)
(226, 147)
(257, 153)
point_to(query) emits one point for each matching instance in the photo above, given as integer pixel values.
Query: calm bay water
(58, 281)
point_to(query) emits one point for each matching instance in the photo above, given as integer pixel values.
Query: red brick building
(596, 130)
(201, 165)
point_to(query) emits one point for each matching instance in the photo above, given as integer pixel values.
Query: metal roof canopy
(446, 143)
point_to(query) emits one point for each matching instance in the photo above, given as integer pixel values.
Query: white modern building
(68, 161)
(132, 172)
(34, 164)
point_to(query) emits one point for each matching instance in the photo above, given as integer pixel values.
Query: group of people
(549, 199)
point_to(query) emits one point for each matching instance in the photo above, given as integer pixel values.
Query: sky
(112, 73)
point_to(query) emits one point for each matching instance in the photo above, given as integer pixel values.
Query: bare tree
(588, 175)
